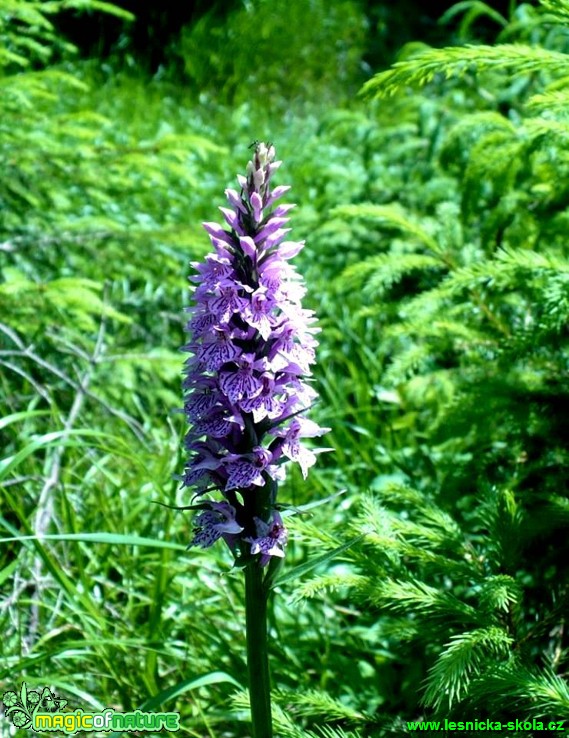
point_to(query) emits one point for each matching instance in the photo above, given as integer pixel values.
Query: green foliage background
(435, 208)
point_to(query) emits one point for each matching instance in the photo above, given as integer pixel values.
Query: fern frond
(456, 61)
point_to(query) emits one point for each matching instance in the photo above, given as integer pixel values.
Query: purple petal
(276, 193)
(274, 238)
(248, 246)
(288, 249)
(214, 229)
(218, 352)
(270, 227)
(235, 200)
(243, 474)
(238, 384)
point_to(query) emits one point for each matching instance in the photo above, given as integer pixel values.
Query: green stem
(256, 597)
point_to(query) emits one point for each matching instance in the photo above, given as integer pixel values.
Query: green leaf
(111, 538)
(303, 569)
(167, 695)
(22, 415)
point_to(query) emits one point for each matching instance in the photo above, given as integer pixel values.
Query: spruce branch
(457, 61)
(463, 658)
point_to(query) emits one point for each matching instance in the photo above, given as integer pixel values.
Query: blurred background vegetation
(435, 209)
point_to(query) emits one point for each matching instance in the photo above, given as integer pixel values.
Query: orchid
(251, 346)
(246, 394)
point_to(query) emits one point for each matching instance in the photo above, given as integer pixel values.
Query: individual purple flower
(242, 379)
(247, 384)
(216, 522)
(290, 445)
(271, 539)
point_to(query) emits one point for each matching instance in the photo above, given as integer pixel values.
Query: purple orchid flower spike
(247, 390)
(251, 347)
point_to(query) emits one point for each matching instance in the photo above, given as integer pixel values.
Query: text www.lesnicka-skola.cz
(488, 725)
